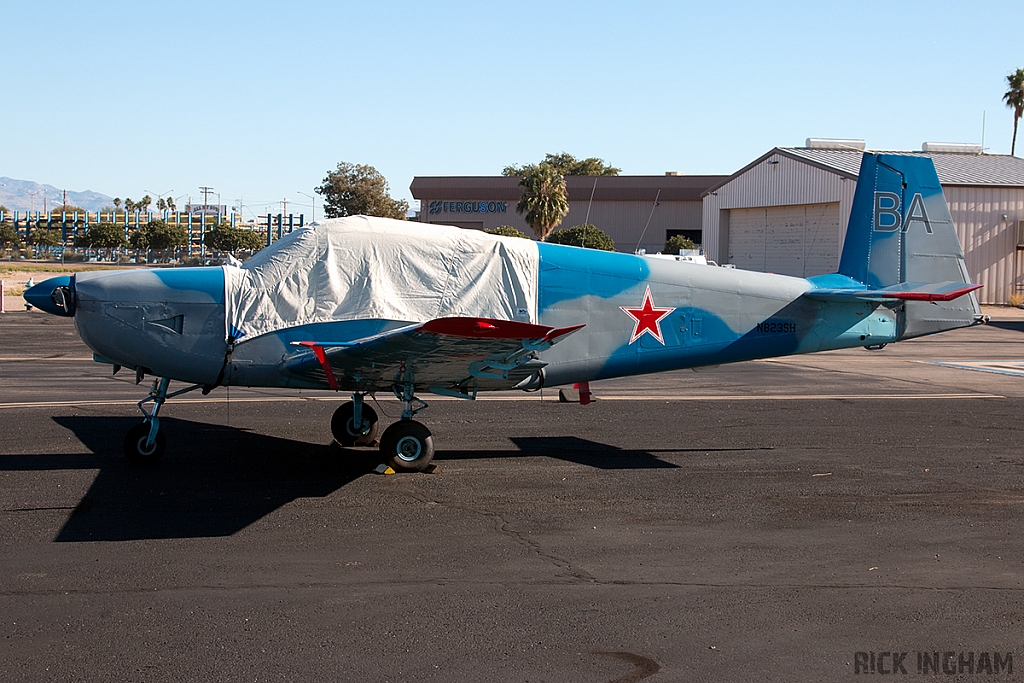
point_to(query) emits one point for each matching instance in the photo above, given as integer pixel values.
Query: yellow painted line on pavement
(22, 359)
(550, 398)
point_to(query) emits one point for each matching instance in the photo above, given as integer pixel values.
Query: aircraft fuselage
(642, 315)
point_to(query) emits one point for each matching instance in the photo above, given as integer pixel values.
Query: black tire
(407, 446)
(135, 445)
(343, 428)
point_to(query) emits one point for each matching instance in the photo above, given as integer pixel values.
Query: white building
(786, 212)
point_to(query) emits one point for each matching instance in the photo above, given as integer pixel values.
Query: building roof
(607, 188)
(953, 168)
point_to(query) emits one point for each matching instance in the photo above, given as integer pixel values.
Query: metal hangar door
(800, 240)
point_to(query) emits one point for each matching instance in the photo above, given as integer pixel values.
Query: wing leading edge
(448, 356)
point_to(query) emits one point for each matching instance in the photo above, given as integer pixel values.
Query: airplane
(366, 305)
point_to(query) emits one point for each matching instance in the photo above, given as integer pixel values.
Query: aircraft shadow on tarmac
(216, 480)
(571, 449)
(1011, 325)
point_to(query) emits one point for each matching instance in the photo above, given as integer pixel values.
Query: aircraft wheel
(407, 446)
(344, 430)
(135, 445)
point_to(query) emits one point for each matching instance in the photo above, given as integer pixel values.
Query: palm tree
(545, 200)
(1014, 99)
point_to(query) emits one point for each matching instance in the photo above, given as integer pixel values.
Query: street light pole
(159, 195)
(314, 202)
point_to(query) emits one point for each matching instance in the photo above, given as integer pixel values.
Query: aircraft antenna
(637, 248)
(586, 221)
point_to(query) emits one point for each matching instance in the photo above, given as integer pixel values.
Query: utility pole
(206, 194)
(284, 207)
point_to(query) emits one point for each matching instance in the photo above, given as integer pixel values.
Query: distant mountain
(25, 195)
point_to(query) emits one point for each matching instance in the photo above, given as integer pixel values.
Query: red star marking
(648, 318)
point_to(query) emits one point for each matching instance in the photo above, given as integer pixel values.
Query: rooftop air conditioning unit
(834, 143)
(952, 147)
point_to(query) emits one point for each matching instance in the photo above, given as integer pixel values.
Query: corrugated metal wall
(989, 241)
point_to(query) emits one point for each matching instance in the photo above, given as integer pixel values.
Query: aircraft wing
(905, 291)
(448, 356)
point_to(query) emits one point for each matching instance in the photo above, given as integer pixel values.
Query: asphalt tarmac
(804, 519)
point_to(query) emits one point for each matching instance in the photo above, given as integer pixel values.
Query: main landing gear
(354, 423)
(406, 445)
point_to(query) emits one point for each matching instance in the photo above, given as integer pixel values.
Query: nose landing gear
(144, 443)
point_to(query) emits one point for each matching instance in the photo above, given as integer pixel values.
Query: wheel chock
(384, 469)
(580, 393)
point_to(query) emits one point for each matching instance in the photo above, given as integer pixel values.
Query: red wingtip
(926, 296)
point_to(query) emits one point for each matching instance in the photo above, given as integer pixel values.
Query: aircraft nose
(56, 295)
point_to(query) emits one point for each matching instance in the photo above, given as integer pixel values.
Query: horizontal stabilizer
(905, 291)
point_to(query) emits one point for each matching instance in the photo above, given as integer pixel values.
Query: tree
(117, 202)
(358, 189)
(8, 235)
(158, 234)
(104, 236)
(677, 242)
(586, 235)
(68, 209)
(507, 231)
(566, 164)
(141, 206)
(42, 237)
(545, 200)
(224, 237)
(1014, 99)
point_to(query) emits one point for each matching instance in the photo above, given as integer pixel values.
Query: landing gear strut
(407, 445)
(144, 443)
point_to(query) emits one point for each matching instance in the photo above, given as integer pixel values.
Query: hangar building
(786, 212)
(620, 205)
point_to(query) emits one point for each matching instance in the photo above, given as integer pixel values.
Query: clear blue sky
(260, 99)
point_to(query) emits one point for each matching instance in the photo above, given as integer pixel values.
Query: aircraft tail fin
(901, 236)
